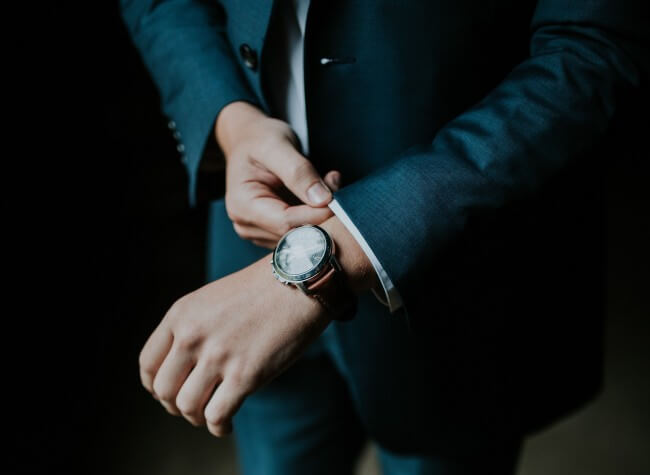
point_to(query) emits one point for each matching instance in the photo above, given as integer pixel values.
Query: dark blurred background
(101, 241)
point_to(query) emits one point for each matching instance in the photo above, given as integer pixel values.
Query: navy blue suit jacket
(468, 133)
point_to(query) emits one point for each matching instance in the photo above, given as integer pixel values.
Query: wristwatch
(305, 257)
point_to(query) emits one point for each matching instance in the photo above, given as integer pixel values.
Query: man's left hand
(222, 341)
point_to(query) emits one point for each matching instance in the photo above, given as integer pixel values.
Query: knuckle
(215, 417)
(171, 409)
(237, 210)
(162, 392)
(299, 170)
(216, 358)
(279, 126)
(147, 374)
(240, 230)
(194, 421)
(188, 339)
(283, 226)
(215, 430)
(241, 376)
(267, 146)
(146, 366)
(230, 204)
(178, 308)
(186, 406)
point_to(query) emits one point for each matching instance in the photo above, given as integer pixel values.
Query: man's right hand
(270, 186)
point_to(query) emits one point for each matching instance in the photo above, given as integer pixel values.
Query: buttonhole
(344, 60)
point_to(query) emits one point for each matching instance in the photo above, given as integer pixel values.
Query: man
(450, 152)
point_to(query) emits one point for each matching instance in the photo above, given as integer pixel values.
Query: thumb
(299, 176)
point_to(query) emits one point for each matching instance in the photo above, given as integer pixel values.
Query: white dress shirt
(289, 85)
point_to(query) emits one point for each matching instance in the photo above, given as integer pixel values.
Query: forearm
(546, 114)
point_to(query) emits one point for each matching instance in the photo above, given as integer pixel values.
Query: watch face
(301, 252)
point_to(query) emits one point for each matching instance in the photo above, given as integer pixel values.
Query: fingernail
(336, 179)
(317, 193)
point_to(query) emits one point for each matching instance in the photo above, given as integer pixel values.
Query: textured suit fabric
(469, 135)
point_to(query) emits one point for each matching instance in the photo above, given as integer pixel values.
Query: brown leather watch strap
(333, 293)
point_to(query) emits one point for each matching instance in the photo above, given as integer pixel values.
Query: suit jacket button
(249, 56)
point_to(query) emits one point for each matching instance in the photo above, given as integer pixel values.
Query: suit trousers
(307, 420)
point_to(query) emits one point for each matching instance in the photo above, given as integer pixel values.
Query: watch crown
(279, 278)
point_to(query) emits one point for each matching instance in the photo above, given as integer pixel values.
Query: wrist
(308, 258)
(286, 298)
(231, 122)
(360, 273)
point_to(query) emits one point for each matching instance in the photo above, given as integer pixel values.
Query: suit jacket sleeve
(547, 110)
(184, 46)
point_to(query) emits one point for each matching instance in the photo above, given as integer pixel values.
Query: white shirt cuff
(391, 297)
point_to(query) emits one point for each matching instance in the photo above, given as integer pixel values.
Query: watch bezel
(310, 274)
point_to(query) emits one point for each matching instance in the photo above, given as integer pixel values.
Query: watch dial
(301, 250)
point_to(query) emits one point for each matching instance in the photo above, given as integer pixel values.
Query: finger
(222, 430)
(277, 217)
(304, 214)
(172, 375)
(222, 406)
(269, 213)
(197, 389)
(257, 205)
(170, 408)
(250, 232)
(153, 354)
(298, 175)
(265, 244)
(333, 180)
